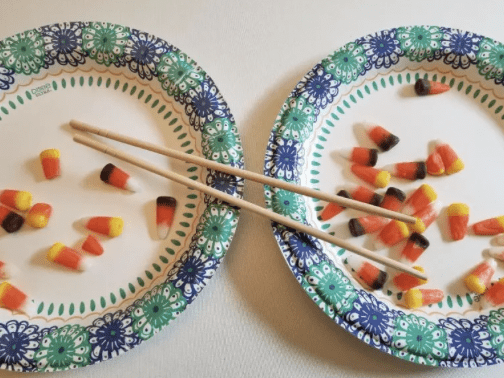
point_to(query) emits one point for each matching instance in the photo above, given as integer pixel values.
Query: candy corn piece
(458, 218)
(165, 211)
(479, 279)
(362, 156)
(39, 215)
(372, 176)
(332, 209)
(451, 161)
(495, 293)
(110, 226)
(9, 220)
(50, 163)
(14, 299)
(114, 176)
(420, 198)
(415, 246)
(496, 253)
(422, 297)
(391, 234)
(382, 137)
(363, 194)
(425, 217)
(92, 245)
(404, 281)
(409, 171)
(499, 239)
(67, 257)
(366, 225)
(393, 199)
(492, 226)
(366, 272)
(7, 270)
(426, 87)
(16, 199)
(434, 164)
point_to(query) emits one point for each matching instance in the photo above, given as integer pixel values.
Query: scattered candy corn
(416, 298)
(372, 176)
(67, 257)
(420, 198)
(9, 220)
(92, 245)
(51, 163)
(39, 215)
(426, 87)
(362, 156)
(367, 272)
(382, 137)
(114, 176)
(458, 218)
(16, 199)
(415, 246)
(110, 226)
(492, 226)
(332, 209)
(409, 171)
(165, 211)
(404, 281)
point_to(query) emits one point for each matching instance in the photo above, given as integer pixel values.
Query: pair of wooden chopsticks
(242, 203)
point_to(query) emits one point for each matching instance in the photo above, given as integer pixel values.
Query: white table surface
(253, 319)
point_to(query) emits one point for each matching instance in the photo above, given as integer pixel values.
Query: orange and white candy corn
(492, 226)
(50, 160)
(92, 245)
(363, 194)
(67, 257)
(372, 176)
(404, 281)
(366, 225)
(458, 218)
(415, 246)
(425, 87)
(425, 217)
(391, 234)
(7, 270)
(165, 212)
(332, 209)
(434, 164)
(495, 293)
(110, 226)
(420, 198)
(114, 176)
(14, 299)
(393, 199)
(366, 272)
(382, 137)
(479, 279)
(408, 170)
(362, 156)
(39, 215)
(16, 199)
(416, 298)
(451, 161)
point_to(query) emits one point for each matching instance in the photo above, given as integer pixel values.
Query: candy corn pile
(13, 203)
(423, 204)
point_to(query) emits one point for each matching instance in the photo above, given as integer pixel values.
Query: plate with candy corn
(409, 119)
(97, 255)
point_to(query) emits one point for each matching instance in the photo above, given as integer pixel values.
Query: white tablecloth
(253, 319)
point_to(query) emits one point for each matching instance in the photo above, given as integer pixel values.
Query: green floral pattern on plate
(65, 348)
(156, 309)
(24, 53)
(418, 340)
(220, 142)
(105, 42)
(297, 120)
(346, 63)
(332, 286)
(178, 73)
(491, 59)
(420, 42)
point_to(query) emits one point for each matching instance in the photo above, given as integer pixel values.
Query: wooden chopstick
(247, 205)
(243, 173)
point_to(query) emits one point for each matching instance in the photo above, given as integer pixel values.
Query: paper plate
(371, 80)
(137, 84)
